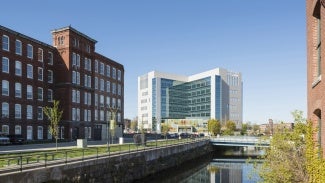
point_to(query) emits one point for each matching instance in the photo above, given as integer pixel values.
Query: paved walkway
(47, 146)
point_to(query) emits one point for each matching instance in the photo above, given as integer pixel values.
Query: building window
(29, 92)
(113, 102)
(96, 83)
(17, 90)
(29, 112)
(5, 88)
(29, 71)
(108, 101)
(74, 97)
(29, 51)
(101, 115)
(50, 61)
(40, 94)
(40, 54)
(96, 66)
(96, 114)
(89, 115)
(40, 74)
(101, 68)
(108, 86)
(88, 48)
(5, 110)
(114, 88)
(17, 111)
(89, 98)
(39, 132)
(119, 75)
(74, 113)
(87, 64)
(17, 130)
(18, 47)
(5, 65)
(74, 77)
(18, 68)
(119, 103)
(108, 71)
(319, 52)
(5, 129)
(85, 98)
(60, 40)
(50, 76)
(101, 100)
(40, 113)
(75, 42)
(102, 85)
(89, 81)
(78, 60)
(119, 89)
(78, 96)
(78, 114)
(74, 59)
(29, 133)
(114, 73)
(5, 43)
(118, 117)
(78, 78)
(85, 115)
(96, 99)
(50, 95)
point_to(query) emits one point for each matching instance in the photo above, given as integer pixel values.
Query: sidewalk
(48, 146)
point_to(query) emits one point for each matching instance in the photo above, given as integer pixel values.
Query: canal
(231, 167)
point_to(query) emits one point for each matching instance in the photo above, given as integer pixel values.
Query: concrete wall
(123, 168)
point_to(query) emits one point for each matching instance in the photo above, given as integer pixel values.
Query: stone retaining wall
(120, 168)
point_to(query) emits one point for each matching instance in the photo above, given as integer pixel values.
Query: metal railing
(13, 162)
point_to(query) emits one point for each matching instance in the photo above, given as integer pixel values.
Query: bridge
(240, 141)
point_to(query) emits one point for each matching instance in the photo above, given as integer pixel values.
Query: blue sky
(264, 40)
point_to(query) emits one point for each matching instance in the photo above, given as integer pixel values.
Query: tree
(294, 156)
(214, 126)
(230, 128)
(244, 129)
(134, 124)
(164, 129)
(54, 114)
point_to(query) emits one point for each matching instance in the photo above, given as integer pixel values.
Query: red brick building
(315, 13)
(34, 74)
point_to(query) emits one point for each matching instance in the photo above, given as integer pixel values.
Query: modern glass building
(213, 94)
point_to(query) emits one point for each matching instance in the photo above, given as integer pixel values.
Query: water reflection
(231, 170)
(212, 171)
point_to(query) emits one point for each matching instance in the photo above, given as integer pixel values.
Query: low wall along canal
(125, 167)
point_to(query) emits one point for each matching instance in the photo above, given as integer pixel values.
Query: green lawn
(11, 159)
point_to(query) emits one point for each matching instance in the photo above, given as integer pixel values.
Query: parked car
(4, 140)
(16, 139)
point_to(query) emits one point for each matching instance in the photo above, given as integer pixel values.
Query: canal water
(210, 169)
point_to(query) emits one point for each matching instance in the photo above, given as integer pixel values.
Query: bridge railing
(240, 140)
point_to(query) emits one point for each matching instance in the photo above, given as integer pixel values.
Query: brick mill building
(33, 74)
(315, 66)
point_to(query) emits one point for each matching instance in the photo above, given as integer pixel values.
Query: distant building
(316, 66)
(213, 94)
(33, 74)
(271, 127)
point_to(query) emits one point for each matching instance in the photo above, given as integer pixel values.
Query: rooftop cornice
(74, 30)
(24, 36)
